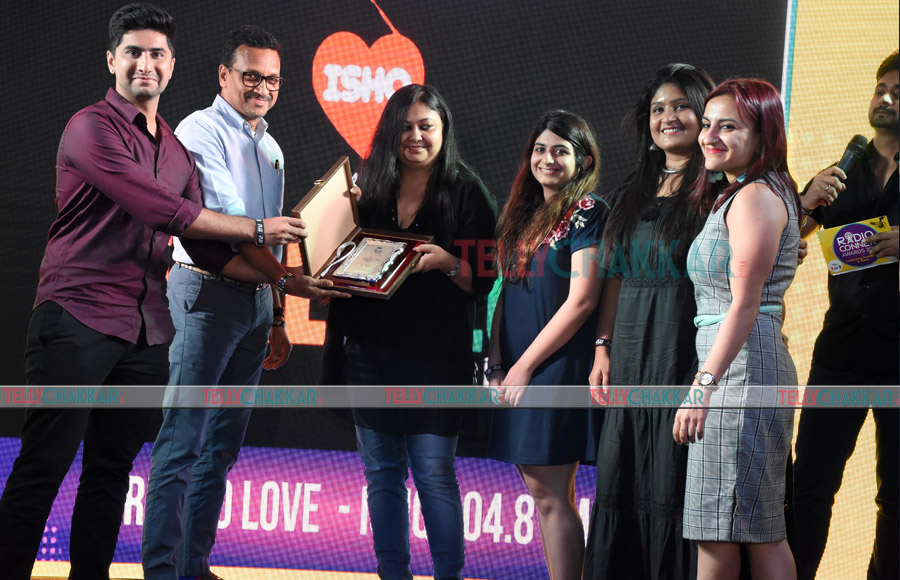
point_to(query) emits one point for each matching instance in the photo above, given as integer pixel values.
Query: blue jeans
(221, 332)
(432, 460)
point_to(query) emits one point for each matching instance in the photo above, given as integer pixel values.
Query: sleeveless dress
(635, 528)
(736, 473)
(548, 436)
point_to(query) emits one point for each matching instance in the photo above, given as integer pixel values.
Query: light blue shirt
(240, 173)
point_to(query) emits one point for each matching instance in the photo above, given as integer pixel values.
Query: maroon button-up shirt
(119, 196)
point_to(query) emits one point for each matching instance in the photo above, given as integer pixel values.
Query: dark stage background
(498, 63)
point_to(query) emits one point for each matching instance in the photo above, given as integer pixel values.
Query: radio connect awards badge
(845, 248)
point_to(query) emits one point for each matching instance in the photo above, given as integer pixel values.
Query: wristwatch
(707, 380)
(455, 269)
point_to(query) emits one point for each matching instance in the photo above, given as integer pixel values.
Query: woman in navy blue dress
(543, 328)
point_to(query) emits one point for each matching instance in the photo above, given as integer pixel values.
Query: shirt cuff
(210, 255)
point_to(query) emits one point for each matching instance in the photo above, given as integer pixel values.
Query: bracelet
(278, 312)
(493, 369)
(278, 323)
(454, 271)
(282, 282)
(805, 211)
(607, 342)
(260, 233)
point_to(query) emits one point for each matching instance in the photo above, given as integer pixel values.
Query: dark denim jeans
(388, 459)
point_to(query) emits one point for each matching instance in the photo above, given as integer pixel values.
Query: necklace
(668, 171)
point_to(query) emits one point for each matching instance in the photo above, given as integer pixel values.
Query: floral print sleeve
(582, 225)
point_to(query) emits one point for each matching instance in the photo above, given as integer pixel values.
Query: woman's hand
(512, 389)
(690, 419)
(356, 192)
(599, 377)
(433, 257)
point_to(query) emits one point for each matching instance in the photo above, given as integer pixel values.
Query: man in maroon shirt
(125, 184)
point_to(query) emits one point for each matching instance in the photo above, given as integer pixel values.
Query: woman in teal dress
(542, 332)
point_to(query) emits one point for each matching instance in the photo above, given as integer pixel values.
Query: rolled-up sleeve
(92, 148)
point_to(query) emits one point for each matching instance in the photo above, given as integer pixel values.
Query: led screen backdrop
(499, 64)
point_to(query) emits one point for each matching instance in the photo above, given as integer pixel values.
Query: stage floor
(60, 571)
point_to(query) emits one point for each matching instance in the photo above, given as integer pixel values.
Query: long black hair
(636, 194)
(379, 173)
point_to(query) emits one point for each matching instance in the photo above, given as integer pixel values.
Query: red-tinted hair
(759, 106)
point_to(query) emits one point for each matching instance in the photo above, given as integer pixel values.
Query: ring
(682, 429)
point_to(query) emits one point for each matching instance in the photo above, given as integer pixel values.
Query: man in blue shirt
(222, 325)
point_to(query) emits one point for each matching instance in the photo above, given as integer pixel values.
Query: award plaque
(371, 260)
(359, 261)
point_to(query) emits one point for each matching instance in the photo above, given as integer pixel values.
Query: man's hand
(802, 251)
(885, 244)
(307, 287)
(279, 348)
(283, 230)
(824, 188)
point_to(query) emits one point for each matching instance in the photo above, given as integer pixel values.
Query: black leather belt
(220, 278)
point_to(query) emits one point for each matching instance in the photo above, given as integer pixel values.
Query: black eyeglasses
(253, 80)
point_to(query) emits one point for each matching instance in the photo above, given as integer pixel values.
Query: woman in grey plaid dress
(741, 264)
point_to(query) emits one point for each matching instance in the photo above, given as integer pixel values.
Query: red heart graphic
(353, 81)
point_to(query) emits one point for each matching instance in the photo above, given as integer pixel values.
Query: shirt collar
(235, 118)
(870, 157)
(129, 112)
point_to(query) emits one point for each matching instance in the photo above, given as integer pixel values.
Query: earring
(715, 176)
(654, 147)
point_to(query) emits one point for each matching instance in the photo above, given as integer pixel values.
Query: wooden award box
(332, 220)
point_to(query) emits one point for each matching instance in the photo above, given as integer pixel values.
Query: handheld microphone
(852, 154)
